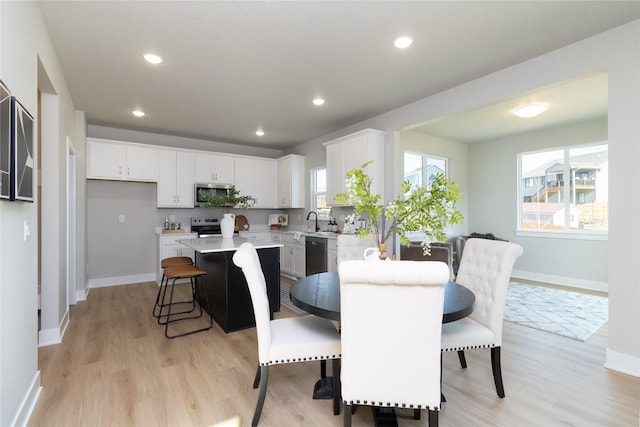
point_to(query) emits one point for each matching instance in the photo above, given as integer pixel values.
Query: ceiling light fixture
(403, 42)
(531, 110)
(318, 101)
(152, 58)
(138, 113)
(260, 132)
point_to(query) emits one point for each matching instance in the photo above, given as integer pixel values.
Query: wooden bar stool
(162, 290)
(192, 273)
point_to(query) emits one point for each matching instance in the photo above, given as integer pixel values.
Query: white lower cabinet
(292, 254)
(332, 255)
(168, 247)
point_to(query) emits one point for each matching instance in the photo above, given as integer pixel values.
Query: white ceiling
(232, 67)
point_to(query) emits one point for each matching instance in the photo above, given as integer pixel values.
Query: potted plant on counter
(427, 210)
(232, 199)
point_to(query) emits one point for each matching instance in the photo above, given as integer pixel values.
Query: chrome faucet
(316, 214)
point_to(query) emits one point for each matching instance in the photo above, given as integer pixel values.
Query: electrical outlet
(121, 218)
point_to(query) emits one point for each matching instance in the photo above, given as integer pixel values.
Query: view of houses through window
(564, 189)
(319, 192)
(420, 169)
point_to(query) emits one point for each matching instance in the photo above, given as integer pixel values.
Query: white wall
(617, 51)
(23, 43)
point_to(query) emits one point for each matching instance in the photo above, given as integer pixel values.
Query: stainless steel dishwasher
(315, 250)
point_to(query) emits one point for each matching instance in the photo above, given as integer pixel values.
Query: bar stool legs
(192, 273)
(164, 282)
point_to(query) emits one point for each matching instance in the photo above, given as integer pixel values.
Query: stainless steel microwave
(207, 193)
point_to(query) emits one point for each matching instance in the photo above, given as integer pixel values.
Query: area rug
(286, 300)
(570, 314)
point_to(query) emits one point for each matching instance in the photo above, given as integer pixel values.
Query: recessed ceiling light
(403, 42)
(260, 132)
(152, 58)
(138, 113)
(531, 110)
(318, 101)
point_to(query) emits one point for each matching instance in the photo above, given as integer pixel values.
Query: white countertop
(218, 244)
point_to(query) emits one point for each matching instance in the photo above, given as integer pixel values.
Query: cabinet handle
(128, 171)
(119, 170)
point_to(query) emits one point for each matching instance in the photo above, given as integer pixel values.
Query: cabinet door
(184, 179)
(284, 183)
(299, 261)
(332, 261)
(167, 173)
(266, 176)
(213, 168)
(142, 164)
(291, 182)
(245, 176)
(335, 173)
(175, 179)
(287, 259)
(105, 160)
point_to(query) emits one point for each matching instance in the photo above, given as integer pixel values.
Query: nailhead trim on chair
(390, 405)
(302, 359)
(472, 347)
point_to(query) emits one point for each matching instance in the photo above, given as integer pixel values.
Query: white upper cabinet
(291, 181)
(215, 168)
(351, 152)
(257, 178)
(176, 179)
(117, 160)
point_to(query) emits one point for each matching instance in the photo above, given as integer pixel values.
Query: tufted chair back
(486, 268)
(391, 319)
(351, 247)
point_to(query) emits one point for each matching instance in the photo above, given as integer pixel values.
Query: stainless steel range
(206, 227)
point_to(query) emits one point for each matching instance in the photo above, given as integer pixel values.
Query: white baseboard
(121, 280)
(53, 336)
(81, 295)
(28, 403)
(624, 363)
(592, 285)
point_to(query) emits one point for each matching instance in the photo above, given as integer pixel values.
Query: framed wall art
(5, 142)
(22, 162)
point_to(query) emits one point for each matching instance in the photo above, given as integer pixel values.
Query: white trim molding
(54, 335)
(572, 282)
(28, 402)
(624, 363)
(121, 280)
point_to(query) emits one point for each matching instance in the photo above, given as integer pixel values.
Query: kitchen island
(225, 284)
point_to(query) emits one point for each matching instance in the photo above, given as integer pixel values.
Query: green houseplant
(233, 199)
(428, 210)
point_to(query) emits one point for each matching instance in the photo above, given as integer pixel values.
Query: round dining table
(319, 294)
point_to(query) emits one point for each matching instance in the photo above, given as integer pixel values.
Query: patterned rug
(570, 314)
(286, 300)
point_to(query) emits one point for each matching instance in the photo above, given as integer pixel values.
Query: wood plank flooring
(116, 368)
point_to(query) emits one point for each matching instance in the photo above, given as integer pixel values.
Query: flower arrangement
(233, 199)
(429, 210)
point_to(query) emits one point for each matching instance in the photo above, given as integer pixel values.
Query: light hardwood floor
(116, 368)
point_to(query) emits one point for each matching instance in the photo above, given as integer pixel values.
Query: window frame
(566, 232)
(314, 193)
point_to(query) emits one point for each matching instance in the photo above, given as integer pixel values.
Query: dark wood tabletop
(319, 294)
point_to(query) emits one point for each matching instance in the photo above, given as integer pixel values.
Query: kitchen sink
(321, 233)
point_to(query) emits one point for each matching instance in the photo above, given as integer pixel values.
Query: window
(564, 189)
(420, 169)
(319, 192)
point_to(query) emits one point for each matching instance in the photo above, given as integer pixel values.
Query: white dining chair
(286, 340)
(388, 361)
(485, 268)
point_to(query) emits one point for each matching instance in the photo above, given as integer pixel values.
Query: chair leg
(337, 392)
(416, 414)
(497, 370)
(256, 380)
(433, 418)
(264, 379)
(347, 415)
(463, 360)
(323, 368)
